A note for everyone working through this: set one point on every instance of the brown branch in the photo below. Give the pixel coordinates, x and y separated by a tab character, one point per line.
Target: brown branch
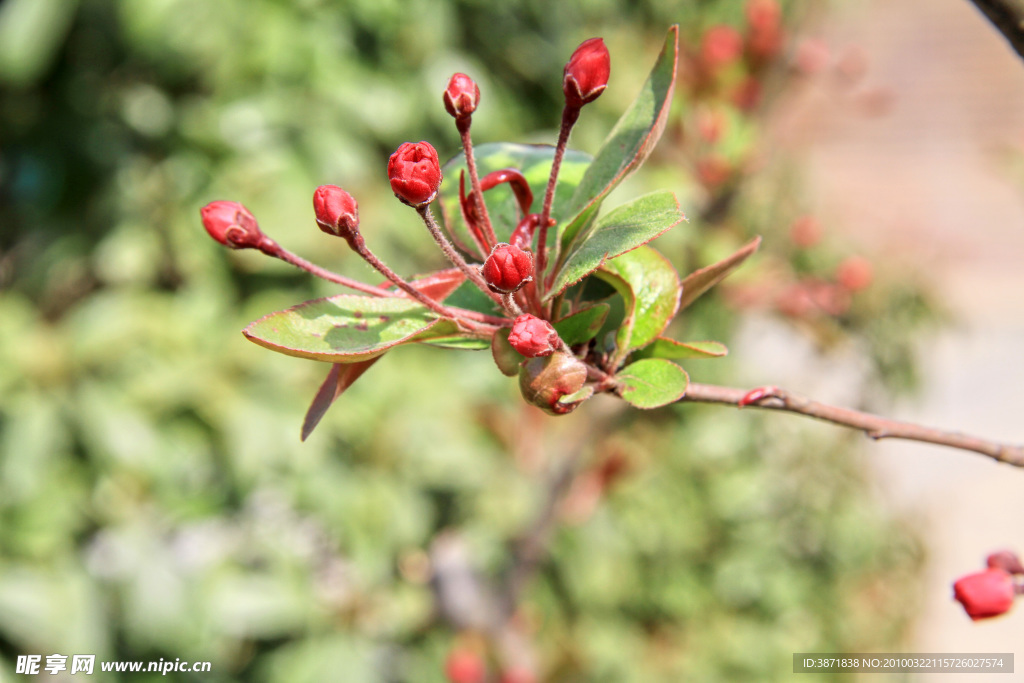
1008	17
532	547
773	398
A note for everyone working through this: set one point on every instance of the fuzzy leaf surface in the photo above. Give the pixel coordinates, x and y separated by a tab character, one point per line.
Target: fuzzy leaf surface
650	287
621	230
663	347
583	325
341	329
652	383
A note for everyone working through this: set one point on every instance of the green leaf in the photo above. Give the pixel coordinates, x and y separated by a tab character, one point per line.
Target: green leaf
505	357
583	325
623	229
700	281
533	161
663	347
628	144
652	383
341	329
649	286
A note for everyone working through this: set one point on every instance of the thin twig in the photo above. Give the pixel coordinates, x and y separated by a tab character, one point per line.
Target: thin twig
874	426
532	548
472	272
277	251
474	181
569	117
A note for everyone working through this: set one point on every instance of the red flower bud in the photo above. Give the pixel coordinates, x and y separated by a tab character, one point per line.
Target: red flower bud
720	46
462	96
1005	560
805	232
545	381
854	273
464	666
507	268
336	211
533	337
232	225
763	15
415	173
586	74
985	594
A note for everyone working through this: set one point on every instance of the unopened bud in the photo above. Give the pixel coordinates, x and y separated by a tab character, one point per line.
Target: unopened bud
507	268
465	666
415	173
586	74
721	45
545	381
336	211
985	594
462	96
533	337
232	225
854	273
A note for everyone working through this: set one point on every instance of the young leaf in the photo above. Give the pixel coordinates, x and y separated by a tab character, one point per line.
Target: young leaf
341	329
663	347
340	378
700	281
621	230
582	325
628	144
439	285
533	161
505	357
649	286
652	383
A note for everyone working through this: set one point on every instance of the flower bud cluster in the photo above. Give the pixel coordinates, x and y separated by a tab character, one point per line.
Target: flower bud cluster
551	372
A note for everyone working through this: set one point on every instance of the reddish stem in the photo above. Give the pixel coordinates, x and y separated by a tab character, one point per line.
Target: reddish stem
471	215
358	245
569	118
456	259
463	124
272	248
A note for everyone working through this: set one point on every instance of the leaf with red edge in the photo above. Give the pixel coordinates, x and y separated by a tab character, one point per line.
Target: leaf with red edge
438	285
619	231
649	286
340	378
583	325
343	328
663	347
652	383
700	281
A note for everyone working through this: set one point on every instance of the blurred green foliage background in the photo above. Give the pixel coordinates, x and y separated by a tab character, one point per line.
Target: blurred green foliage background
155	500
